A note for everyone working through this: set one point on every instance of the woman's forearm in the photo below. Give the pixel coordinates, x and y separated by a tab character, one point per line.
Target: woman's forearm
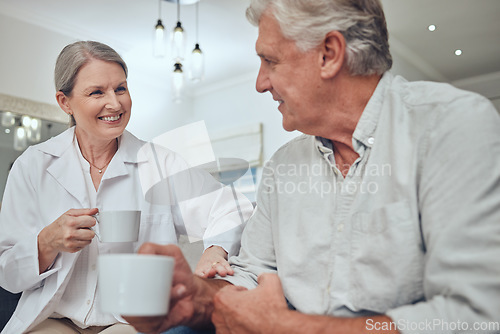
46	253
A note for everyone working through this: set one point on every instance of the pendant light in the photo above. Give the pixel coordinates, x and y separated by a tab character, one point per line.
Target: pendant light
159	45
178	37
20	138
178	82
197	57
26	123
35	130
8	119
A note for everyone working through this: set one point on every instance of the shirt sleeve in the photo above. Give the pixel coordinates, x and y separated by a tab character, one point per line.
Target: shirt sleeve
257	253
459	199
203	208
19	267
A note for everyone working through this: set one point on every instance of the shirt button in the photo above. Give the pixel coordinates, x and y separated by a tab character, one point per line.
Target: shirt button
371	140
88	302
340	227
93	267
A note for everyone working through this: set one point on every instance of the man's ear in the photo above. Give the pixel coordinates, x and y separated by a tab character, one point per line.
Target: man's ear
63	102
333	54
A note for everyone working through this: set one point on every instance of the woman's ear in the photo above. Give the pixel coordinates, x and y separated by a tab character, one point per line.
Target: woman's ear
333	54
63	102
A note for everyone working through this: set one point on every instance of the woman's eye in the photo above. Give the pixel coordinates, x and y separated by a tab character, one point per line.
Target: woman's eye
96	92
120	89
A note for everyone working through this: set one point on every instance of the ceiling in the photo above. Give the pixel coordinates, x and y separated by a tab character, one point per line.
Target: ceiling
227	39
472	26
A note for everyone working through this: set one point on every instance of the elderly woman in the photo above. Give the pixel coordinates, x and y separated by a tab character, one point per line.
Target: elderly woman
48	248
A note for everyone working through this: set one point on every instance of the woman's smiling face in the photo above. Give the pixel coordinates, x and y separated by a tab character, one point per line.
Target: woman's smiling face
100	101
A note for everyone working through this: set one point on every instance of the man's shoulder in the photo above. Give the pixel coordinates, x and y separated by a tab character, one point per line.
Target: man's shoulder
434	94
297	145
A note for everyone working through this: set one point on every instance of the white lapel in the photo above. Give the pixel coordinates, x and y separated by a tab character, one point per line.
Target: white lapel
65	167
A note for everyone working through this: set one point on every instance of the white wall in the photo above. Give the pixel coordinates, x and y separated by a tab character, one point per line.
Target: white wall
236	102
27	58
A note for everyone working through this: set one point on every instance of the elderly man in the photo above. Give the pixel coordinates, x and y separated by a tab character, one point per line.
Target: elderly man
383	217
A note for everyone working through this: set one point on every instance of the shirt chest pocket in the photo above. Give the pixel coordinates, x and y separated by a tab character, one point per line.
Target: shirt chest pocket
158	228
386	259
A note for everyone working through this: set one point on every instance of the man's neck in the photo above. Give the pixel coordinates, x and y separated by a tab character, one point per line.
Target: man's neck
353	94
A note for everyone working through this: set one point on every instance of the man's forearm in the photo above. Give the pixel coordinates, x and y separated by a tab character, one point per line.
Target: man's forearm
296	322
206	288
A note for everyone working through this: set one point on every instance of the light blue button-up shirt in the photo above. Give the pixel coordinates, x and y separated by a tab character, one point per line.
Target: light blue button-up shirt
412	231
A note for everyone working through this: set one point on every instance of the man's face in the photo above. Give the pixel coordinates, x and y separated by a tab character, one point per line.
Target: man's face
291	76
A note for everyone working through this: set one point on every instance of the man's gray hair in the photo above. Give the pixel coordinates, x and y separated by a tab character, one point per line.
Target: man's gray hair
75	55
361	22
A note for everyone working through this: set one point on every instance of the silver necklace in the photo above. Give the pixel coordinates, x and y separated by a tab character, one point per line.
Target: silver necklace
101	168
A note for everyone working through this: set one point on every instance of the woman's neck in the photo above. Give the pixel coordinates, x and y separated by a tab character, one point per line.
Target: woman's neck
97	153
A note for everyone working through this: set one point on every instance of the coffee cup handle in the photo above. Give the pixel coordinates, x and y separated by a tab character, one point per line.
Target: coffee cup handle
93	227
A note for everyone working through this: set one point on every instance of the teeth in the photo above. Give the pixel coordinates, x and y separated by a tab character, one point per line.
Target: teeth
111	118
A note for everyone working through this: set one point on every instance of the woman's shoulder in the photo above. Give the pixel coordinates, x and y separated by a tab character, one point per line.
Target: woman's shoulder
55	146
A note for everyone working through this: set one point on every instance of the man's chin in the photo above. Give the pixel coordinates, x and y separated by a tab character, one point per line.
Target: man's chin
288	127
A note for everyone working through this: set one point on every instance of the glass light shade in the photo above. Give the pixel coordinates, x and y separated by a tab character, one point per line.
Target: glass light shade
160	43
178	42
178	83
20	138
35	131
197	64
26	121
8	119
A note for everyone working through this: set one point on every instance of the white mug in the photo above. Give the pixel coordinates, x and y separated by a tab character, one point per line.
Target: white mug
135	284
118	226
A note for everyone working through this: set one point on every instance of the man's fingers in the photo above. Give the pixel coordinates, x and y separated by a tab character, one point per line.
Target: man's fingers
232	288
178	292
271	281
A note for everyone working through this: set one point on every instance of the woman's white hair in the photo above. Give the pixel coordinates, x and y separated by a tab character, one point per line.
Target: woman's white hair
361	22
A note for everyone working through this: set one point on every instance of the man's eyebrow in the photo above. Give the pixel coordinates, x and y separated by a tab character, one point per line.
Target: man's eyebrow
261	55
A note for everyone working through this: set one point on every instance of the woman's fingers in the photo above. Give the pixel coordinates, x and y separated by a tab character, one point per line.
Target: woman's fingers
82	212
223	268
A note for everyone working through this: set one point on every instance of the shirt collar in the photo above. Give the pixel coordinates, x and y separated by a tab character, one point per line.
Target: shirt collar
364	134
129	147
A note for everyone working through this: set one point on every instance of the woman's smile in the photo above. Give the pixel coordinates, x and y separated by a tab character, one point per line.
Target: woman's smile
111	119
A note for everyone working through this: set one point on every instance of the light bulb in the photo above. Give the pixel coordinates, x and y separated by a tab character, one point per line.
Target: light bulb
26	121
197	64
20	142
159	49
35	130
178	83
178	38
